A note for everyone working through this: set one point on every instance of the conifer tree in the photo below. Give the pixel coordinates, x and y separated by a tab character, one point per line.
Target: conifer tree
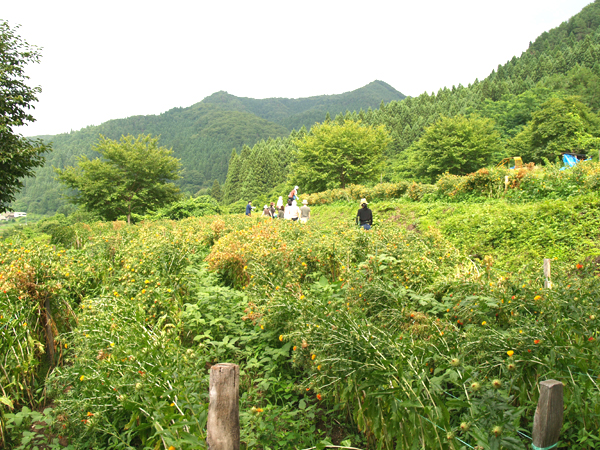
261	172
232	182
215	191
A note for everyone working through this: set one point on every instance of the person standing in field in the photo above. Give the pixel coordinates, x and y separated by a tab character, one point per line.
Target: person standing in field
281	212
273	210
267	212
364	217
249	208
287	214
304	212
295	211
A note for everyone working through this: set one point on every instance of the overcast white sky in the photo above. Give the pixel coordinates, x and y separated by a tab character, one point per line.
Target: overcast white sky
112	59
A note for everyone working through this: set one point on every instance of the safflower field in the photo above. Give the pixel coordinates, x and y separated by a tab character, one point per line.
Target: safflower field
432	330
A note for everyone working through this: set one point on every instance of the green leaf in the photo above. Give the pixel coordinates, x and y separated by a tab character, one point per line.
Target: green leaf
6	401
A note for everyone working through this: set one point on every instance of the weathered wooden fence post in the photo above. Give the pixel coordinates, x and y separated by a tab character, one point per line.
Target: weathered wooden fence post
548	418
223	425
547	281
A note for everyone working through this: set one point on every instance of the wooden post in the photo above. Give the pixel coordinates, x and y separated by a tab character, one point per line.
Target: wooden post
548	418
223	425
505	182
49	335
547	282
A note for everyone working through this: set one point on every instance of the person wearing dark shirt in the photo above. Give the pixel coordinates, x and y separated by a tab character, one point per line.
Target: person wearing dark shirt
364	217
249	208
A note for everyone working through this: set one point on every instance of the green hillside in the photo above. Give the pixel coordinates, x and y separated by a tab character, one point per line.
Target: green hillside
201	135
432	330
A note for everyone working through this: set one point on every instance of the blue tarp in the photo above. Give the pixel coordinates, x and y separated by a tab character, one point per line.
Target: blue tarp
569	160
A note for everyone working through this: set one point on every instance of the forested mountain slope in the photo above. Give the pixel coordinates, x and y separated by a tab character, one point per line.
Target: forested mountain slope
201	135
561	63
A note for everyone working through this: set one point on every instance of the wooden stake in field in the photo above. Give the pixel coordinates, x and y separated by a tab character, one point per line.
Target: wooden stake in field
223	426
548	418
547	282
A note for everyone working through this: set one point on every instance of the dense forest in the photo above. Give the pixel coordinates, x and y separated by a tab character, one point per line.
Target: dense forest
202	136
563	63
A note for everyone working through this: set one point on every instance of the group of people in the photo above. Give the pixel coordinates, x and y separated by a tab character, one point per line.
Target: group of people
291	211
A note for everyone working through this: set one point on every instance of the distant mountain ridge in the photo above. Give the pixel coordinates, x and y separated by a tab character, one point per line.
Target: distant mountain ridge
201	135
295	113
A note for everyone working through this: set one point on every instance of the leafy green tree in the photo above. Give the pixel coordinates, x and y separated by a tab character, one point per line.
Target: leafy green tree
335	154
457	145
18	155
560	125
134	175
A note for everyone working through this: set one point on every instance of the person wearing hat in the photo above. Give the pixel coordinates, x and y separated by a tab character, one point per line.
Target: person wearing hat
364	217
267	211
304	212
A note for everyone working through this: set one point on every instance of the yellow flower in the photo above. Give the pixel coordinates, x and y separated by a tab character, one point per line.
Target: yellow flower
484	323
319	367
510	353
112	344
171	447
262	327
281	337
313	356
81	377
537	297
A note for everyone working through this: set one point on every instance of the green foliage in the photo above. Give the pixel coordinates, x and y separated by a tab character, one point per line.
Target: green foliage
133	177
457	145
350	334
333	155
203	205
18	156
560	125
